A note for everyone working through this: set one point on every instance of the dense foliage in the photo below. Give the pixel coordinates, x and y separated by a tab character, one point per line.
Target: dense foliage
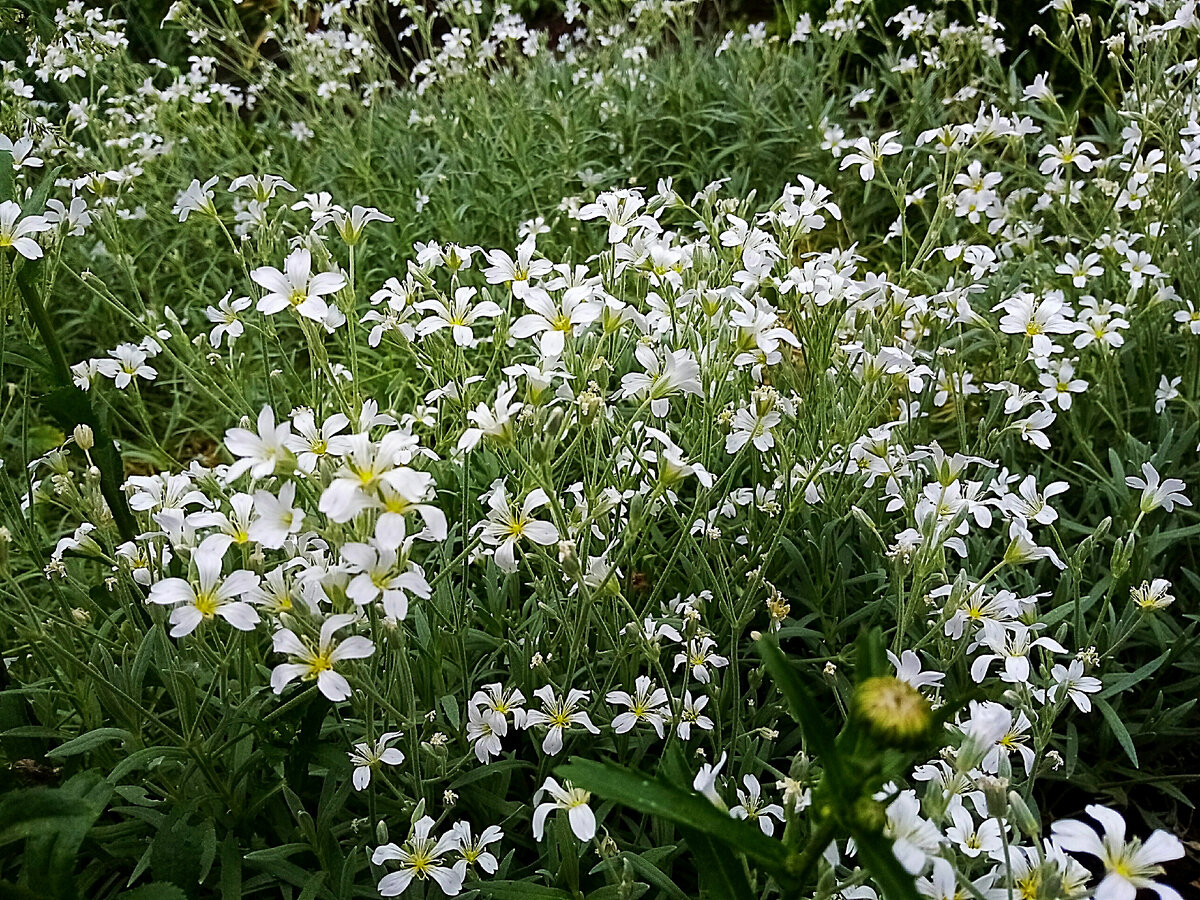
603	457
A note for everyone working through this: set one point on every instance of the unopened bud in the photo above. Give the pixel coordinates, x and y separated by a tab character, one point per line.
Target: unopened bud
1021	815
893	711
995	795
84	437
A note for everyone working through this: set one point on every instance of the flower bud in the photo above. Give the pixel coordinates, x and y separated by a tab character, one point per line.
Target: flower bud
893	711
1022	816
84	437
995	795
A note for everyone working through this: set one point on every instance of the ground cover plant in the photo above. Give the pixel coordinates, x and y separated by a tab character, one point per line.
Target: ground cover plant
587	452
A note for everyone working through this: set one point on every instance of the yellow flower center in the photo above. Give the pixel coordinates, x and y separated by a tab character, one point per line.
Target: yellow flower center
206	602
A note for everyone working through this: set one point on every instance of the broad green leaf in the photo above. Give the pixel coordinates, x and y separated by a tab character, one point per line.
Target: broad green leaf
817	731
37	812
722	874
6	175
875	852
683	807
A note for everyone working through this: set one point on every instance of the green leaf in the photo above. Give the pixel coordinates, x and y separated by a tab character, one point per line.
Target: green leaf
722	874
38	812
89	741
6	175
157	890
875	852
645	869
520	890
818	732
619	892
1129	679
683	807
1113	718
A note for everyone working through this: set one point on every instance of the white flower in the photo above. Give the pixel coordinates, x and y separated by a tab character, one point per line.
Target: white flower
420	859
224	316
297	287
554	322
380	573
691	714
559	714
367	757
517	273
699	656
647	704
1167	391
278	517
570	798
259	453
1072	683
869	154
209	595
1166	493
310	443
1129	867
196	197
908	669
318	661
705	781
127	362
914	839
676	373
752	808
474	850
974	841
505	527
458	316
484	732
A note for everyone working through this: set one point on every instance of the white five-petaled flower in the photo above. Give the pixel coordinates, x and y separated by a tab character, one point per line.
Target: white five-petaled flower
691	714
1166	493
516	272
317	661
870	154
1129	866
567	797
458	315
699	656
420	859
909	670
647	704
505	526
555	321
224	316
209	595
297	287
559	714
196	197
677	372
752	808
1069	681
15	232
258	453
473	850
367	757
